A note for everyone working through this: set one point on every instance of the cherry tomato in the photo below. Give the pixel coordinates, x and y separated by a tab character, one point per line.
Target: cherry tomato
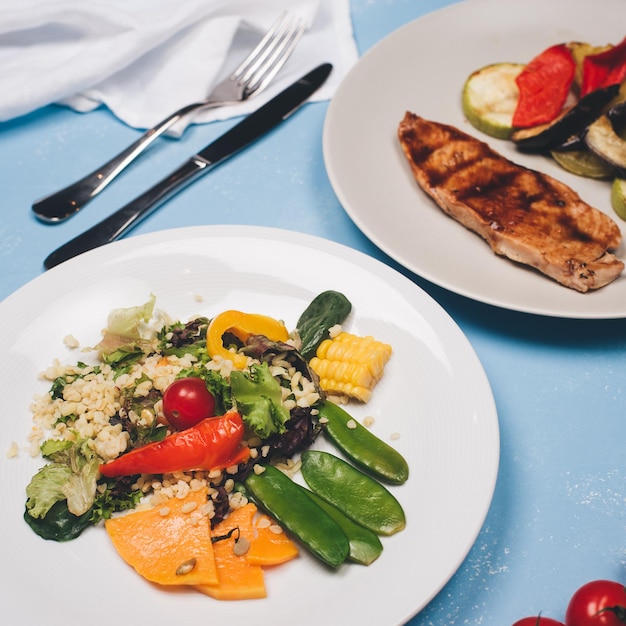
598	603
538	621
186	402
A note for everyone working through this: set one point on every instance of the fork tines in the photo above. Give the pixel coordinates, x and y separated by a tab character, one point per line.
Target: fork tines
272	52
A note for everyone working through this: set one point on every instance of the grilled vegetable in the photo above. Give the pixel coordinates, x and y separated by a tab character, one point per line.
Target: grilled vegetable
360	497
607	67
350	365
580	50
607	144
544	85
326	310
361	446
490	97
552	136
294	510
582	163
618	197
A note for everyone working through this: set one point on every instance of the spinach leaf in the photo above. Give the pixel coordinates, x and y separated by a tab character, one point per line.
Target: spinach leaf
325	311
59	524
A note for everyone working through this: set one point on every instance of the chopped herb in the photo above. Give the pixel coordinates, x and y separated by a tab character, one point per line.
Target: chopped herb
59	383
179	339
117	496
123	358
66	419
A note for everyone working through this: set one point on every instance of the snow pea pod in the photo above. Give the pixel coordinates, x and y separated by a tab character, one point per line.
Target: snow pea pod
360	497
365	546
361	445
304	519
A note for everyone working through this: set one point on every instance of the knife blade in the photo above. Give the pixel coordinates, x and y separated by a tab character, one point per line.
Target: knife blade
232	141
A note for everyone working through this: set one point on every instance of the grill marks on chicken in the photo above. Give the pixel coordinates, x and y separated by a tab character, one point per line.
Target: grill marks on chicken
524	215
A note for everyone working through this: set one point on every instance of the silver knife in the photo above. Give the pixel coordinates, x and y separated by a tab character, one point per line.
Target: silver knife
243	134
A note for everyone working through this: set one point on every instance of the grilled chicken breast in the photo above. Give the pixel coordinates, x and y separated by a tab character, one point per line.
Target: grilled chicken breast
524	215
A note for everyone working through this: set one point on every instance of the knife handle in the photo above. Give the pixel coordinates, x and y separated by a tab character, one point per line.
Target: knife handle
129	215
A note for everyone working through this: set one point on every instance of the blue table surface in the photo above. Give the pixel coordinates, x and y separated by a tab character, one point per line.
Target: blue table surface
557	516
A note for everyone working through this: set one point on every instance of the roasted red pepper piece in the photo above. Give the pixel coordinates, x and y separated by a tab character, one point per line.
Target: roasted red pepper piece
214	443
604	69
543	87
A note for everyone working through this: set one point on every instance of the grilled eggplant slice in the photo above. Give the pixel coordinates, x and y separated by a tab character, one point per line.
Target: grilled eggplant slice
570	124
604	141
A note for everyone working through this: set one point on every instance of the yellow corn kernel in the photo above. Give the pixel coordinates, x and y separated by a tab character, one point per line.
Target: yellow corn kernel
350	365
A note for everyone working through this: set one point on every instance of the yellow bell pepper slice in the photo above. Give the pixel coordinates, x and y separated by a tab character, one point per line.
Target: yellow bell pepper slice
242	325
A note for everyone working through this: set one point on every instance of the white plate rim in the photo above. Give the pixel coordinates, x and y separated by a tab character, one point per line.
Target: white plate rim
107	261
374	178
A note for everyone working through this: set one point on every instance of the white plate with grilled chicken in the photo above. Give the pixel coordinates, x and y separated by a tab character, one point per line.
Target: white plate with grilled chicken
421	68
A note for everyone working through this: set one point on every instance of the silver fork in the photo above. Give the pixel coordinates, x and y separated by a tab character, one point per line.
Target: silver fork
251	77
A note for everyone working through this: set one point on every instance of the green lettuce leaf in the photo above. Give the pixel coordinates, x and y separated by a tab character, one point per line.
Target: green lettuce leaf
71	475
127	322
258	398
50	447
127	336
46	488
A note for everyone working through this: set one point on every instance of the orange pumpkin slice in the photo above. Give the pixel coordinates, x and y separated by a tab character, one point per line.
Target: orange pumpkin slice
270	547
241	576
238	578
168	544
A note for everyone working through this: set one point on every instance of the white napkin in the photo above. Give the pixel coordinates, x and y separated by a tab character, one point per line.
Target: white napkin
144	59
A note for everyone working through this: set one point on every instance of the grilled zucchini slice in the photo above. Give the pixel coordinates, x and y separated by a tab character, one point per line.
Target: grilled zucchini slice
490	97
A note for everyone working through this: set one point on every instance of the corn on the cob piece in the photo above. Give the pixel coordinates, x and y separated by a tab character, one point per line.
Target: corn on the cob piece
349	365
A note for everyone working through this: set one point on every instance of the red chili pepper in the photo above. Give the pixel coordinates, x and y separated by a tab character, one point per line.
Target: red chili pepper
543	87
211	444
604	69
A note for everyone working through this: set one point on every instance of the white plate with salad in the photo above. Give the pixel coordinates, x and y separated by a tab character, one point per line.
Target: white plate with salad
434	395
422	68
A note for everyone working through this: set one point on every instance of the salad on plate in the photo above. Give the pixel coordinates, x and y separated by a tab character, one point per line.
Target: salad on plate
187	442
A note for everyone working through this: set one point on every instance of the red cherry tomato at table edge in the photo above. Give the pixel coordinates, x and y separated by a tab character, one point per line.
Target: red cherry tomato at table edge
538	621
597	603
186	402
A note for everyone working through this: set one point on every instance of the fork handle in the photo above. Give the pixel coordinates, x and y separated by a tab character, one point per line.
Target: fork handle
114	226
62	204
